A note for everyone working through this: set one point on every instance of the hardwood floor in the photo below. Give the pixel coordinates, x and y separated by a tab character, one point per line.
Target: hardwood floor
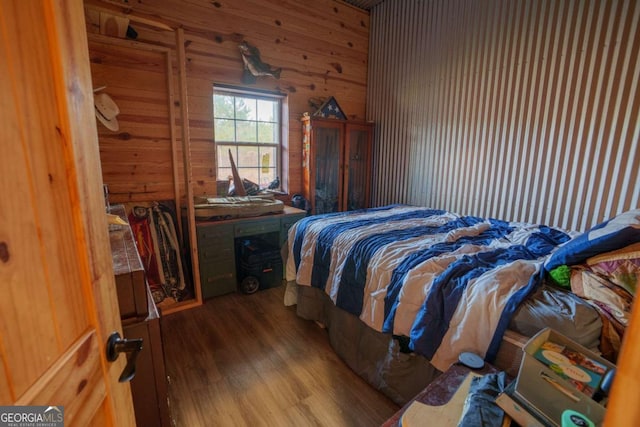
249	360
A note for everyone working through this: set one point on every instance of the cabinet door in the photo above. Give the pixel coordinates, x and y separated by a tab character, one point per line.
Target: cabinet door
357	167
327	156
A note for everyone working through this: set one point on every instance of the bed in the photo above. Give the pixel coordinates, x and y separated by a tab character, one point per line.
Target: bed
403	290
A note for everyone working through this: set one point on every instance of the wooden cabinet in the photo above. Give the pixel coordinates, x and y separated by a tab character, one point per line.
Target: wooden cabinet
217	243
149	386
336	164
140	319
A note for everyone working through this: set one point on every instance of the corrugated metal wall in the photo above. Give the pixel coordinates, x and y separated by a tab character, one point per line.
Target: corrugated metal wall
521	110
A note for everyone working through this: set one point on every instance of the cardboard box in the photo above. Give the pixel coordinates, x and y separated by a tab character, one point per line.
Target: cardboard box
557	374
518	410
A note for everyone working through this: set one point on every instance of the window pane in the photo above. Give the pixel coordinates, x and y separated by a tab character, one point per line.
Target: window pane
246	108
267	177
267	110
224	130
223	106
249	173
249	126
224	173
246	132
267	132
247	157
223	155
267	157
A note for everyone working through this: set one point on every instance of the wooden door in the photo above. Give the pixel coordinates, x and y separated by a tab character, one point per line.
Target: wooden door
58	303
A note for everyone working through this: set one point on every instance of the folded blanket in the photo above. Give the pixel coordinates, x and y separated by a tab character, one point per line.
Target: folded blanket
236	207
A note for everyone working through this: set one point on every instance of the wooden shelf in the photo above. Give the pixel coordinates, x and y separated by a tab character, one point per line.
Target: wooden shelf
174	307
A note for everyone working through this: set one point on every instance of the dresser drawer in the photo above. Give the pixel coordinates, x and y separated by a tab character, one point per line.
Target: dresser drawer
251	228
218	278
224	250
214	234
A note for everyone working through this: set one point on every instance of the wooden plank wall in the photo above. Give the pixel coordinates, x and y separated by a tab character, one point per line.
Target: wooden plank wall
136	160
322	47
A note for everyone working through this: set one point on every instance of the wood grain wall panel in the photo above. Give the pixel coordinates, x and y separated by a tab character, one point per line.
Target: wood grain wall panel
203	159
322	47
136	159
518	110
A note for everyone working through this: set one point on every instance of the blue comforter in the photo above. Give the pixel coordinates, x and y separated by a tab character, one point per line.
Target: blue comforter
450	283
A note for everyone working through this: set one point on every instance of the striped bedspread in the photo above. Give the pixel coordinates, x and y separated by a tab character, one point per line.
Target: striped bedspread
450	283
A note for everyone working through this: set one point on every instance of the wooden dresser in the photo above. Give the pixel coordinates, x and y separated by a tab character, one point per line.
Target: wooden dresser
217	247
140	319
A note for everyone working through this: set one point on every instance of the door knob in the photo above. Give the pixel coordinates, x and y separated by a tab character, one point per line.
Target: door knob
116	345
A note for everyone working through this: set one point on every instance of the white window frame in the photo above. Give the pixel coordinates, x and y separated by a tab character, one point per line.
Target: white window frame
282	120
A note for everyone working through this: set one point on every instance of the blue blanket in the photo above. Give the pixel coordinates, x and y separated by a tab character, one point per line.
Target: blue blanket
450	283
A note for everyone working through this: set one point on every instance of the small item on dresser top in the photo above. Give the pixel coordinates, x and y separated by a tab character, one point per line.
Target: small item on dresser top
471	360
208	208
575	419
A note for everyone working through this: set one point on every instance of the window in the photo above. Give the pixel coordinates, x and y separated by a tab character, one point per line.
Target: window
248	124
